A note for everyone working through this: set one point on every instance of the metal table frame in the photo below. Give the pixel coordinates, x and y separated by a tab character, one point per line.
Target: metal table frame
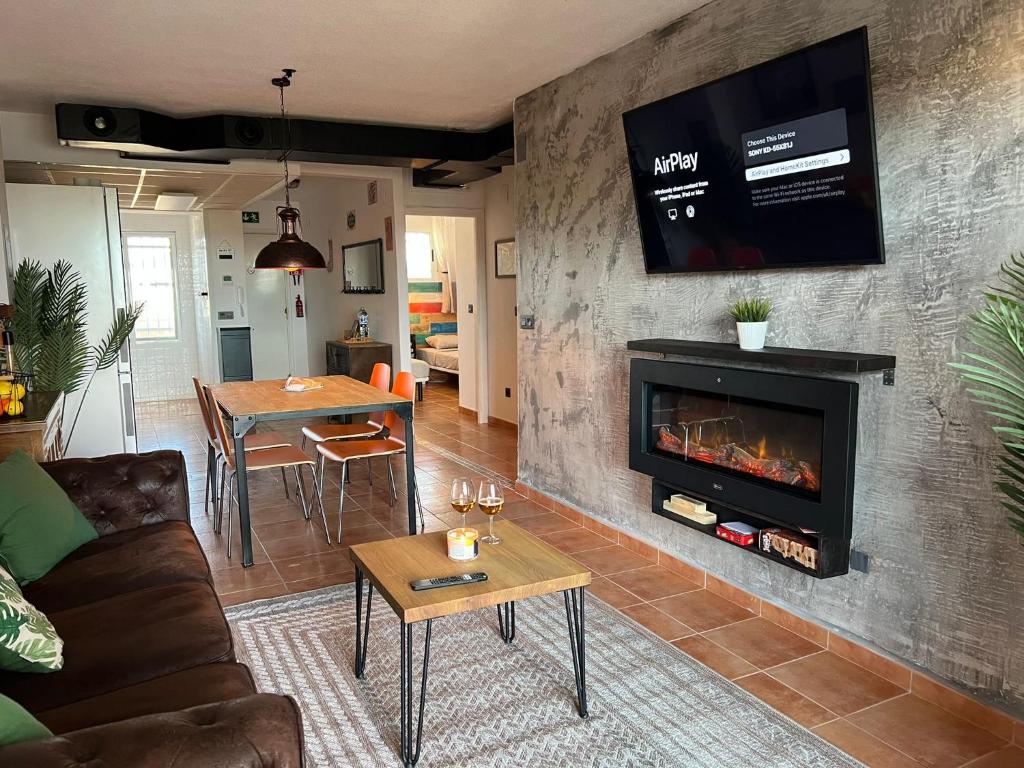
410	746
241	424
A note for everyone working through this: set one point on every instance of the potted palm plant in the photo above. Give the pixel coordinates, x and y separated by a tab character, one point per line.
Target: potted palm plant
49	327
995	374
751	316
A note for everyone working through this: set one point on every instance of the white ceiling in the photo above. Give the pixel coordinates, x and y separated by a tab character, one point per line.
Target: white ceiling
445	63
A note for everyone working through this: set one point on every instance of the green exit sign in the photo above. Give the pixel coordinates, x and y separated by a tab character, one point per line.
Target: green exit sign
250	217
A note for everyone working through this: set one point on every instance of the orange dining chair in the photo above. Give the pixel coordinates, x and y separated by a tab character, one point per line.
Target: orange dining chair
391	444
279	457
255	441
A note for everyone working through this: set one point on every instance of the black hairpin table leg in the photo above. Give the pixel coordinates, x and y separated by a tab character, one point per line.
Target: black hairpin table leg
362	632
411	755
507	621
576	616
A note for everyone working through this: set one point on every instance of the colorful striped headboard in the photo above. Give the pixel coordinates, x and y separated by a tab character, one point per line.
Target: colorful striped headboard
425	315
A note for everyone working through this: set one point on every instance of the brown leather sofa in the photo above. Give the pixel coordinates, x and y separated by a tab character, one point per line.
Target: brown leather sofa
149	676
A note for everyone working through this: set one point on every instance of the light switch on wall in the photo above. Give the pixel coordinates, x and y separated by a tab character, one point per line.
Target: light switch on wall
470	309
526	322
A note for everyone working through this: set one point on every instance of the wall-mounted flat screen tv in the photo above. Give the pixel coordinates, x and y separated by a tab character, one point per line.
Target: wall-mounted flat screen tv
773	166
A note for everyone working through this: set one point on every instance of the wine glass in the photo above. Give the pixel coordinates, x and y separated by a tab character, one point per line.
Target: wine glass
463	497
491	500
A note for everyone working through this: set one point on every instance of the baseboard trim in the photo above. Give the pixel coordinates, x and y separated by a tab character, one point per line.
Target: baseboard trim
963	704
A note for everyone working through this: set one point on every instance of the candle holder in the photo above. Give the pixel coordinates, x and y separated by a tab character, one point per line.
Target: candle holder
463	544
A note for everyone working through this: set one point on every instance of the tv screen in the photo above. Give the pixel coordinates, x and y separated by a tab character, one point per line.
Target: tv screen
773	166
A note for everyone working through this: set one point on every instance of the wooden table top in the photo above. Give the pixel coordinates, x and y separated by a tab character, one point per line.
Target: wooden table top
521	566
266	398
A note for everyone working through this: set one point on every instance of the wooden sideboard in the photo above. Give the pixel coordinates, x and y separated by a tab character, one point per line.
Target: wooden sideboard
356	359
37	430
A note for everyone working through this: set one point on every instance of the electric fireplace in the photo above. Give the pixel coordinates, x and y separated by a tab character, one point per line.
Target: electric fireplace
767	449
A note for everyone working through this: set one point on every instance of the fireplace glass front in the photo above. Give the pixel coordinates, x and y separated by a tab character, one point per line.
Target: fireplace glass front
778	445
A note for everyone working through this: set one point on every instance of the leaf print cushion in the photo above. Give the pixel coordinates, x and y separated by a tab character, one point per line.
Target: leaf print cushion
28	641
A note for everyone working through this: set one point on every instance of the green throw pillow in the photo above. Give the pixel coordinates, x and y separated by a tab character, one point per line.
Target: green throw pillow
39	524
28	641
17	725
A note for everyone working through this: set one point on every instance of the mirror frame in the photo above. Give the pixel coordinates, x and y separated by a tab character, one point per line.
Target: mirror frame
379	242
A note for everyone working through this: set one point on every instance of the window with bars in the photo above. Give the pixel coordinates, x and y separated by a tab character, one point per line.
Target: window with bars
419	257
151	280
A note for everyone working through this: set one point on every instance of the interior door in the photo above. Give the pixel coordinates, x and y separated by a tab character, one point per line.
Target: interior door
267	293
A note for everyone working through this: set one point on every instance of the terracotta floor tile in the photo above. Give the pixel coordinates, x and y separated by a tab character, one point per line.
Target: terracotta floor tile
611	593
659	623
835	683
925	732
786	700
548	522
654	582
235	579
256	593
1007	757
762	643
724	662
703	610
319	582
575	540
311	566
608	560
863	746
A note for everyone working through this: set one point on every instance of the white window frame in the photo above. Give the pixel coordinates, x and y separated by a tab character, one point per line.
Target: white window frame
174	282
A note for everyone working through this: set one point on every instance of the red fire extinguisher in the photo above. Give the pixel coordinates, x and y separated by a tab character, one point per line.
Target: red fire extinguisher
298	306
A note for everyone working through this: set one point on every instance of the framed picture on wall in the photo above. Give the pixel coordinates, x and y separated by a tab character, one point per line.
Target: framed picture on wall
389	234
505	258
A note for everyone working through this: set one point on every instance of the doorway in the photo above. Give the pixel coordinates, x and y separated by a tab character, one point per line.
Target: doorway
274	334
447	294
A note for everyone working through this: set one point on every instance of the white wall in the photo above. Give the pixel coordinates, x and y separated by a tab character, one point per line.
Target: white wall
502	323
162	369
6	253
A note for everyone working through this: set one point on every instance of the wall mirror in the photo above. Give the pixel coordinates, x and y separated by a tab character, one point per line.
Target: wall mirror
362	267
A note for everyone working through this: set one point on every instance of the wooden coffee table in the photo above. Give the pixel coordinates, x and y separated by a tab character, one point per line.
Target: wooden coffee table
521	566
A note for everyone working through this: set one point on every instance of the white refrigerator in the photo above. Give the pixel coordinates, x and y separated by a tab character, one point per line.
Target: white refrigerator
80	224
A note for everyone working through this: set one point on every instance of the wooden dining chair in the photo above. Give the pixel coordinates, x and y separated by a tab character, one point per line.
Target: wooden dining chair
256	441
279	457
392	443
322	433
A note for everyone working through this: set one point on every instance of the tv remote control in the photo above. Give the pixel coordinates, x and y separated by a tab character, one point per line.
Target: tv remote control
447	581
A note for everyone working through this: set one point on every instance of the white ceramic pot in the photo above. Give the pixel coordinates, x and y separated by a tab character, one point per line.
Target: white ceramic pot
752	334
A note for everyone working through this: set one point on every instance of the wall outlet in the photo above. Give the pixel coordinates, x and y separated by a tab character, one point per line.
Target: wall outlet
508	392
526	322
471	309
858	561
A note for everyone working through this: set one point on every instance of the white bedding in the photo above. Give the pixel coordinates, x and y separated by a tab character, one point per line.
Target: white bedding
445	359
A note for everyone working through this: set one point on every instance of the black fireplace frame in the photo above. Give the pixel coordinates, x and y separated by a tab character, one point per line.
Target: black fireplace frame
831	515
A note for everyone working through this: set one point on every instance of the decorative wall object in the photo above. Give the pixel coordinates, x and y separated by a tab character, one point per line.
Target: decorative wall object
371	193
425	315
389	234
505	258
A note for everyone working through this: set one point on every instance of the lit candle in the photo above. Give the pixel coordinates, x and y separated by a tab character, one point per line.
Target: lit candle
463	544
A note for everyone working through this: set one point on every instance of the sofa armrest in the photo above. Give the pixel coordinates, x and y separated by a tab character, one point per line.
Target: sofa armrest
125	490
259	731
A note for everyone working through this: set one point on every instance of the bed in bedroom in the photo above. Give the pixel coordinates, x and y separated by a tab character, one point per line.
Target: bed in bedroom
441	353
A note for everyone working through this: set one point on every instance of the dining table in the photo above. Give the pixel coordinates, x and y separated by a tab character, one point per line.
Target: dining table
244	404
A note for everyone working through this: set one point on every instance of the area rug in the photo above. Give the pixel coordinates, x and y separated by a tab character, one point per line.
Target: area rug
489	704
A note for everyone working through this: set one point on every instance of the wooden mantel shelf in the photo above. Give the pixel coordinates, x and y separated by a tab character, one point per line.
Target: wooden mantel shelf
783	357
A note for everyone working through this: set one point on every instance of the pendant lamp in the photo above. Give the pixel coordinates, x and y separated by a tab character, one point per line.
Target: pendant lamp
289	251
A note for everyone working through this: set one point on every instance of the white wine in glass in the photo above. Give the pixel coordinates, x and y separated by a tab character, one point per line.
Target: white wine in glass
463	497
491	501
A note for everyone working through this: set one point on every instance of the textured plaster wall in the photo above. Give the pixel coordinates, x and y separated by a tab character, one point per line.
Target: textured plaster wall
946	576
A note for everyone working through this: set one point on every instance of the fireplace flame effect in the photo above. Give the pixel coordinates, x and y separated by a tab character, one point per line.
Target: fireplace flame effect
751	459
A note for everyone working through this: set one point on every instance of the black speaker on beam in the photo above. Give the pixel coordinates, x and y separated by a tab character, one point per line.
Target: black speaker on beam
82	123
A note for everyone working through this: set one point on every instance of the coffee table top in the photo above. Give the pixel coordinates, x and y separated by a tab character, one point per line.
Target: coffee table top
521	566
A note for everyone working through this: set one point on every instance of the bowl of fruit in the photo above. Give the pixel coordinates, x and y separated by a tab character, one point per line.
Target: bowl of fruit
12	397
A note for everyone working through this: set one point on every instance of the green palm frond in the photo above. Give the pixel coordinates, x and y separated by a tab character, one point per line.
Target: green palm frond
50	330
997	368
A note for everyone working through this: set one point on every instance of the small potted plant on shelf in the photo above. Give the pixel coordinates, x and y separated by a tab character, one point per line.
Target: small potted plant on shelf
751	316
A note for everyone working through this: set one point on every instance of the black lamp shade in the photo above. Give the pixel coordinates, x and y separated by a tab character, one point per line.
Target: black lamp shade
289	251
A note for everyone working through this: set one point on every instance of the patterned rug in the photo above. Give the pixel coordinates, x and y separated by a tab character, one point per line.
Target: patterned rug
489	704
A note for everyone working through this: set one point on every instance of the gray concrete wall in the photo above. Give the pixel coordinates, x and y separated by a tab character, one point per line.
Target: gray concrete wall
947	575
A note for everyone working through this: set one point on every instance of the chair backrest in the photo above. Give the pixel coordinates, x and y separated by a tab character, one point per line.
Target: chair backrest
381	379
204	407
222	440
405	387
